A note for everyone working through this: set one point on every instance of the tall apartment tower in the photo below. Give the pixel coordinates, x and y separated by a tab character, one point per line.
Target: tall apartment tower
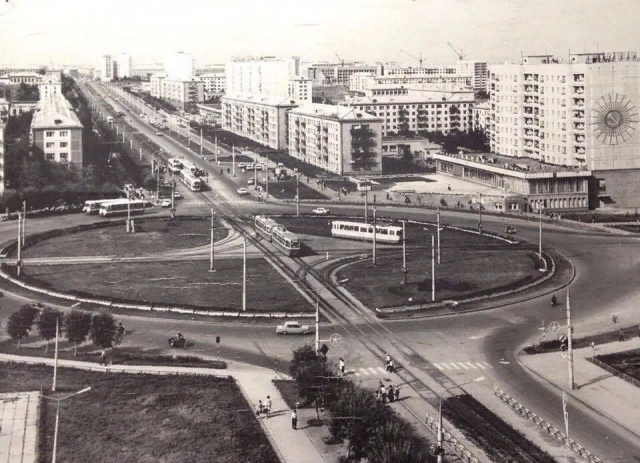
180	66
582	112
266	76
125	65
108	70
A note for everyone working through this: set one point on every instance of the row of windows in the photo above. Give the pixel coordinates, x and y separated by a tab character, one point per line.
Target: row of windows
415	106
52	156
61	133
51	144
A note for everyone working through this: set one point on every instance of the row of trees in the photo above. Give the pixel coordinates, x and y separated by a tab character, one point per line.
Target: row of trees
76	326
371	428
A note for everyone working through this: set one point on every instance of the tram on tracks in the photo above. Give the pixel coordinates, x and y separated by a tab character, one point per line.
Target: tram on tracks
192	182
364	231
264	226
286	241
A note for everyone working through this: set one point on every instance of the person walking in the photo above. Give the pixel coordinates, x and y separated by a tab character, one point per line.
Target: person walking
267	405
383	394
260	409
621	335
341	366
294	419
390	394
397	393
103	357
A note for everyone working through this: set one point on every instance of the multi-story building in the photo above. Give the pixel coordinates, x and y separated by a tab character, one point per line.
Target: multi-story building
51	84
29	78
125	65
182	91
56	130
479	72
17	70
147	70
300	89
342	140
217	68
180	66
107	68
214	82
481	116
340	73
422	111
363	82
2	128
156	85
267	76
258	117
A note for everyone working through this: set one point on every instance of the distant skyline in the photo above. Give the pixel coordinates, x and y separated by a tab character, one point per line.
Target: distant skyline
80	31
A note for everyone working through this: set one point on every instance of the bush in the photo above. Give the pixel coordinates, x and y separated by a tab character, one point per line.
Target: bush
48	320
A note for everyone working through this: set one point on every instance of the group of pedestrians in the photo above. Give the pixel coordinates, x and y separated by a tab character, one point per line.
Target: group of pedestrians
391	394
264	409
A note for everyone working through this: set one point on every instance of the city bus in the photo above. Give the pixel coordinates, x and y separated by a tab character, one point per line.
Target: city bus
92	206
121	207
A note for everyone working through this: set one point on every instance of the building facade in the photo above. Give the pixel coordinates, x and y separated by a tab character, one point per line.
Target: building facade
51	84
262	119
300	89
429	111
125	65
337	73
266	76
107	68
56	130
156	85
482	116
182	91
29	78
342	140
214	82
180	66
479	72
147	70
362	82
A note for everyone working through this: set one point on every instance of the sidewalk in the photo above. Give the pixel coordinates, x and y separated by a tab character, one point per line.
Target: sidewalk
294	446
593	383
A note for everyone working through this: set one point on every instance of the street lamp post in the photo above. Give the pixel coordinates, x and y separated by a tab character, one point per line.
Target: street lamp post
404	254
480	214
55	433
433	269
244	278
297	192
212	267
440	439
374	230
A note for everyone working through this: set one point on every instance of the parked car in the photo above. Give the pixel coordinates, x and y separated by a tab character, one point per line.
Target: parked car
165	203
292	328
242	191
259	167
177	195
159	134
320	211
141	114
251	181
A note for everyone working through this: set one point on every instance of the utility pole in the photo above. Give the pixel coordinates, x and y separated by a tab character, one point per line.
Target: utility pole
572	383
244	278
211	255
255	176
158	179
19	262
480	214
317	322
267	182
173	200
404	254
438	224
141	153
374	230
540	231
297	193
200	141
24	221
55	356
216	147
128	212
233	159
433	268
366	206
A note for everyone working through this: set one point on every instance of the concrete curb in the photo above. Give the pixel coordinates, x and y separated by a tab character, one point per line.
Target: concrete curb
523	411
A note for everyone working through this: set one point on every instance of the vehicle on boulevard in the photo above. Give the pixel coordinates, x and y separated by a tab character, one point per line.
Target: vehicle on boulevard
192	168
251	181
159	134
241	165
249	166
190	180
243	191
92	207
364	231
178	341
320	211
177	195
264	226
122	207
286	241
165	203
174	165
510	230
259	167
292	328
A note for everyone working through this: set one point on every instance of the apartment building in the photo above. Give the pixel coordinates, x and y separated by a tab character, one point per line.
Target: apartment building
125	65
107	68
378	84
56	130
340	73
481	116
267	76
216	68
182	91
180	66
479	72
300	89
258	117
342	140
29	78
214	82
51	84
147	70
156	85
429	111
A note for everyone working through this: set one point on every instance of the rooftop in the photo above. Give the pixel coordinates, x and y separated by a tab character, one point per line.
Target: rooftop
262	99
425	96
54	111
340	113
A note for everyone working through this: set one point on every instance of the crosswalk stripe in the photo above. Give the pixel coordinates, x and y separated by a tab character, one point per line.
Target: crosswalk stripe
437	366
364	371
481	365
464	366
471	365
446	366
487	364
455	366
373	370
382	370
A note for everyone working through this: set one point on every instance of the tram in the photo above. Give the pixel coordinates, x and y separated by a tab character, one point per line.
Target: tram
364	231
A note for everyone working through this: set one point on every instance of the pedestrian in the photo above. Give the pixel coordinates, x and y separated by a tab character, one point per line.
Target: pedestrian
387	359
294	419
103	357
383	394
267	405
259	409
390	366
621	335
341	366
390	394
397	393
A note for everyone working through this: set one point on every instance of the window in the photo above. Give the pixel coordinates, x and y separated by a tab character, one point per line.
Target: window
50	133
64	133
51	156
50	144
64	156
64	144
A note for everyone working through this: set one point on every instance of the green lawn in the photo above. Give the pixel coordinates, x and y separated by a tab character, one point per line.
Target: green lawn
186	283
286	189
151	236
144	418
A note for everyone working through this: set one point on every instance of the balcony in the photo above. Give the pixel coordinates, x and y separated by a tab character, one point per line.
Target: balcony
578	126
578	90
578	102
578	114
578	77
580	138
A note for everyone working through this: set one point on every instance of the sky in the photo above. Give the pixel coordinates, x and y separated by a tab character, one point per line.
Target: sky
80	31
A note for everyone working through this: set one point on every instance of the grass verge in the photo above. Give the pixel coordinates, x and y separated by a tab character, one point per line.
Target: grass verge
627	362
555	345
144	418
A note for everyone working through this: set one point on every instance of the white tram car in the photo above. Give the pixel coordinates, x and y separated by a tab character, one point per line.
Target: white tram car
286	241
191	181
364	231
264	226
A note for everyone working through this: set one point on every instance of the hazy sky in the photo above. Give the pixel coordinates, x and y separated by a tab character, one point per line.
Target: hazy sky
79	31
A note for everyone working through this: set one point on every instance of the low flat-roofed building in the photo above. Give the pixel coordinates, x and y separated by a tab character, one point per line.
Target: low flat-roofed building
553	188
57	131
340	139
419	146
257	117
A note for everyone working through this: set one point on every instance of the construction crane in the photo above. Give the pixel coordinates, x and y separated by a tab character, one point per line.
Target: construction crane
460	54
339	59
414	57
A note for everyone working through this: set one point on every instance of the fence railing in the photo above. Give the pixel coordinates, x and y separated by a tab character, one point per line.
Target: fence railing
614	371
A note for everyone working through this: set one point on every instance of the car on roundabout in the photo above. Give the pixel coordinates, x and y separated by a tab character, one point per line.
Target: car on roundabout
320	211
243	191
510	230
292	327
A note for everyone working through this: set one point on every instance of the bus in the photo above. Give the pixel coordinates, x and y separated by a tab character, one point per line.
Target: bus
92	206
364	231
121	207
264	226
191	181
174	165
286	241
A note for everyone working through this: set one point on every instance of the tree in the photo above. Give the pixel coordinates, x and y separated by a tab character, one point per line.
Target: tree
363	148
103	330
27	93
394	440
403	122
78	325
21	322
407	155
314	378
47	324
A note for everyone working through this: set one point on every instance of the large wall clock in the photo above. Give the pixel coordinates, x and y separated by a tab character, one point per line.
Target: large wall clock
615	119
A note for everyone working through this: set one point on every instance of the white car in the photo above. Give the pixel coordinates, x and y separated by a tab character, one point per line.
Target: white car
320	211
292	328
250	181
242	191
142	115
165	203
241	165
158	134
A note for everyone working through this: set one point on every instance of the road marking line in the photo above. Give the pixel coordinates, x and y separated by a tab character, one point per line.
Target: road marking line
382	370
481	365
437	366
446	366
373	370
471	365
488	365
464	366
455	366
364	372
